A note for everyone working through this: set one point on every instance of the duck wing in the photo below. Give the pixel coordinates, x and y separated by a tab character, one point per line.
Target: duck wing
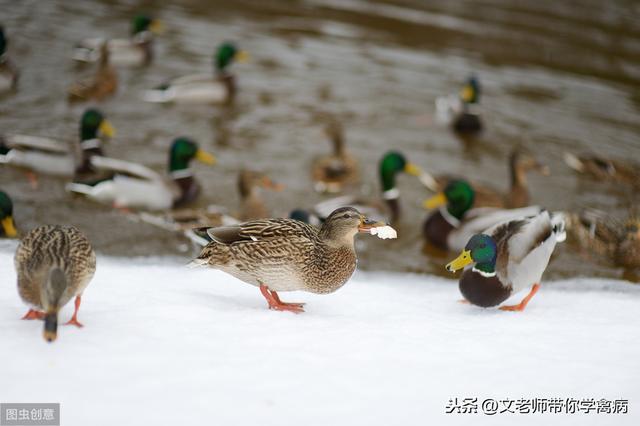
259	230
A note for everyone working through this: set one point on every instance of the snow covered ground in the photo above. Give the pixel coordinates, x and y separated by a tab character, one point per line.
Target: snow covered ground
166	345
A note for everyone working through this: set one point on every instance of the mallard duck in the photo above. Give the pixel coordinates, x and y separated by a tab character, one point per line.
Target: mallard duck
54	264
615	240
7	225
8	73
331	173
134	51
461	111
451	226
386	209
136	186
54	157
103	84
603	168
203	88
520	163
507	258
288	255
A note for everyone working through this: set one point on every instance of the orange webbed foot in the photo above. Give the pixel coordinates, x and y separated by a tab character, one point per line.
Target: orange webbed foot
74	321
33	315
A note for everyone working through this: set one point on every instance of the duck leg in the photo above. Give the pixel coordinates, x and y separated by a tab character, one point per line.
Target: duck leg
74	318
520	306
33	179
32	315
276	304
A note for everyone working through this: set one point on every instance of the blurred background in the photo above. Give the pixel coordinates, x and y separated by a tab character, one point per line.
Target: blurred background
555	76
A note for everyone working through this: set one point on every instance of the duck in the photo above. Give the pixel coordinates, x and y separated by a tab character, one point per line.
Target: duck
611	239
7	224
461	112
333	172
507	258
455	221
133	185
98	87
604	168
388	208
8	72
283	254
521	162
50	156
54	264
219	88
135	51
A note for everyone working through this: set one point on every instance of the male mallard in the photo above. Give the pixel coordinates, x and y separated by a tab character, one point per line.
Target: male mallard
134	51
451	226
331	173
202	88
54	264
134	185
54	157
7	225
520	163
607	237
101	85
461	112
288	255
8	73
603	168
507	258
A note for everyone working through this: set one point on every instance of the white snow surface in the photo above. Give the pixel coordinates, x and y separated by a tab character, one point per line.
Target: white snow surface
167	345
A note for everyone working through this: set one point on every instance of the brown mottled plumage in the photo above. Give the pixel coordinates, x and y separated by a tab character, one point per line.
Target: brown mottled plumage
603	168
53	264
331	173
104	83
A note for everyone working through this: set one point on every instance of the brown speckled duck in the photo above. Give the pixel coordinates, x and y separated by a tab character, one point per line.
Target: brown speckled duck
54	264
103	84
331	173
603	168
288	255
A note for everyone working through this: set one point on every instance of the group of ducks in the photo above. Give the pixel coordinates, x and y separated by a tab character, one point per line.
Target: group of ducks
505	244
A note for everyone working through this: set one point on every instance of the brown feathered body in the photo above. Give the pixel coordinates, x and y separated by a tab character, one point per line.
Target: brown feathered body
104	83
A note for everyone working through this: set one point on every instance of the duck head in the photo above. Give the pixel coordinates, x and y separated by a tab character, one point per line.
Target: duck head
226	54
343	224
142	23
392	163
481	249
7	225
182	151
93	125
458	196
470	93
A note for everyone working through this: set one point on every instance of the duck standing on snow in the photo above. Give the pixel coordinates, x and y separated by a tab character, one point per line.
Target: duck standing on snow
134	51
8	73
461	111
287	255
603	168
331	173
219	88
103	84
53	264
7	225
451	226
136	186
507	258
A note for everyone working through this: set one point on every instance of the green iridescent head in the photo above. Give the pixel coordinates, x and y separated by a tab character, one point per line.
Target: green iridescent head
92	123
471	91
226	54
481	249
7	226
392	163
142	22
458	196
3	41
183	150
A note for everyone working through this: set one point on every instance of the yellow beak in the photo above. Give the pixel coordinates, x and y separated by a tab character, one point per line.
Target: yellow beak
157	26
242	56
436	201
107	129
412	169
460	262
205	157
467	93
9	227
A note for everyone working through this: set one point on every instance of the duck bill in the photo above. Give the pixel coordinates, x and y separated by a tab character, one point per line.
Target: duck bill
9	227
107	129
460	262
205	157
156	27
467	93
436	201
367	224
412	169
267	183
242	56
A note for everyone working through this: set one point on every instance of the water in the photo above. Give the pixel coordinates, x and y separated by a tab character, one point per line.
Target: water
556	76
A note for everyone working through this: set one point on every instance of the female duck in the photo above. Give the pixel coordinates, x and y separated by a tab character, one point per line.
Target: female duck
8	73
7	225
136	186
100	86
507	258
54	264
219	88
331	173
603	168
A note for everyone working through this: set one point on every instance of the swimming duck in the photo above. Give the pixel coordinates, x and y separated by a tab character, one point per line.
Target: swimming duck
387	209
461	111
603	168
203	88
54	157
134	51
54	264
455	221
136	186
287	255
8	73
7	225
331	173
103	84
507	258
520	163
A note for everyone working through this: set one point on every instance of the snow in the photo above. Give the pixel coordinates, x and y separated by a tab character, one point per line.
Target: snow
167	345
